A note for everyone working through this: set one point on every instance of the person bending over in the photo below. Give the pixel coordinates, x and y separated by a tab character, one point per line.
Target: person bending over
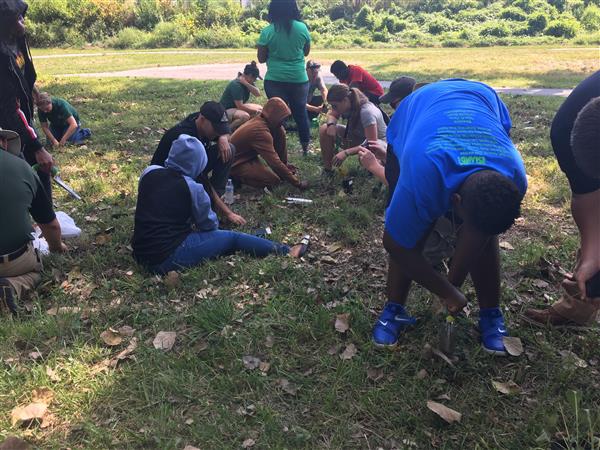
175	226
60	121
356	76
17	87
315	104
365	122
452	142
22	195
237	93
264	137
575	137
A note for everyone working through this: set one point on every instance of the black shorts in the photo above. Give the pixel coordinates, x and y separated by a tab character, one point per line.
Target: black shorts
392	172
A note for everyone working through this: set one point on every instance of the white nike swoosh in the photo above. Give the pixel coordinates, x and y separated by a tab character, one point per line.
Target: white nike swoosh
383	323
501	330
402	319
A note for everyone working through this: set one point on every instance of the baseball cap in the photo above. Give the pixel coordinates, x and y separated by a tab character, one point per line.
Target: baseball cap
215	113
401	87
11	8
310	64
14	141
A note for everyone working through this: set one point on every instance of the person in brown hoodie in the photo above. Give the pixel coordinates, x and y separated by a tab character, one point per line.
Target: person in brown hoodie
264	136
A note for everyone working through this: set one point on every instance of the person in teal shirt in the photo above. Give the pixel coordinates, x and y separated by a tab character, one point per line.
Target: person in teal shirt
60	121
283	45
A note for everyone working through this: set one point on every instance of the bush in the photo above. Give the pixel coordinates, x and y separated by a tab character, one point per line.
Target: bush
590	19
253	25
439	24
472	15
365	17
130	38
537	23
381	36
167	34
223	37
566	28
513	13
498	29
393	24
48	11
454	43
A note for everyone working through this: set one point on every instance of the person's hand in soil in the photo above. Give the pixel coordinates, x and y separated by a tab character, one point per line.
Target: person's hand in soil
236	219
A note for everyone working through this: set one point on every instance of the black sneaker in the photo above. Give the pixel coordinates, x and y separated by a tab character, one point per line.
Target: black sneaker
7	297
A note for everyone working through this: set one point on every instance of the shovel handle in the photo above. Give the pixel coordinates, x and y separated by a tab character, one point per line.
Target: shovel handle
53	171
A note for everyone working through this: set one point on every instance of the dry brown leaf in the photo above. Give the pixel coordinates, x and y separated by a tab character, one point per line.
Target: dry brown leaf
30	412
102	239
14	443
264	366
42	395
540	284
111	337
328	260
334	247
342	322
513	345
422	374
508	388
63	310
506	245
35	355
374	374
269	341
287	387
52	374
448	414
126	330
349	352
164	340
190	447
172	279
570	356
251	362
125	353
334	349
248	443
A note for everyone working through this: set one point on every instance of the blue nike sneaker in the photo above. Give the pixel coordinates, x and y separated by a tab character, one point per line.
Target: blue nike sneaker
392	321
492	329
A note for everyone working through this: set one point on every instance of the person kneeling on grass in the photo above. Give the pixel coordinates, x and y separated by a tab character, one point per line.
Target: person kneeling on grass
365	122
175	226
264	137
452	141
237	93
22	194
60	121
575	139
315	104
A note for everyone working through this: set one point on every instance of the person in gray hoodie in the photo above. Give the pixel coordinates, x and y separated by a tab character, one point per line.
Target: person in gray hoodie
175	226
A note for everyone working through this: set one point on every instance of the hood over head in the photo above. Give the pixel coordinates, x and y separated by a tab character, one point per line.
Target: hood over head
187	156
275	111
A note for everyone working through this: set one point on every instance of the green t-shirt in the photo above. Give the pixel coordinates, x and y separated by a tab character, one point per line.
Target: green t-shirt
234	91
61	111
21	193
286	52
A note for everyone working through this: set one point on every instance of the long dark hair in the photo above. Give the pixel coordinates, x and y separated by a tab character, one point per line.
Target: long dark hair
339	92
282	13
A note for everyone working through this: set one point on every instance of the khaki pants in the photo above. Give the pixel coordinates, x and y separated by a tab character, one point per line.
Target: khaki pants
24	273
254	173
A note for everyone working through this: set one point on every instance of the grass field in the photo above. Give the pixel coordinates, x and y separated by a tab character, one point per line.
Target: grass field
547	67
282	312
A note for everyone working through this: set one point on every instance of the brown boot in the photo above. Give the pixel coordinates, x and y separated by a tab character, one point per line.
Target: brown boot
548	317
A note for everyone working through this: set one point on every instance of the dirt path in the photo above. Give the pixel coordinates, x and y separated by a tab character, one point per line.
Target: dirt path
228	71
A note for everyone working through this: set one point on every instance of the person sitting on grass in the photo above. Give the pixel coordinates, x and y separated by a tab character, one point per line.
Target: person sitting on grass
22	194
365	122
237	93
264	137
452	141
315	104
60	121
357	77
175	226
575	137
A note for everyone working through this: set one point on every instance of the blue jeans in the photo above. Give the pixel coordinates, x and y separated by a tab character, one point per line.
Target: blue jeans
295	95
80	134
203	245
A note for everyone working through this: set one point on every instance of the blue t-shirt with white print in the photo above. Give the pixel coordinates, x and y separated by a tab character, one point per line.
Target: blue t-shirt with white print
442	134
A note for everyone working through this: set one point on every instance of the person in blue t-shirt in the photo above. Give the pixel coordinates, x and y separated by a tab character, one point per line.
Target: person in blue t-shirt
451	139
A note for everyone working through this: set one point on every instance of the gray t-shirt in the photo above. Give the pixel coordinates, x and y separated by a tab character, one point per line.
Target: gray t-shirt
369	115
318	83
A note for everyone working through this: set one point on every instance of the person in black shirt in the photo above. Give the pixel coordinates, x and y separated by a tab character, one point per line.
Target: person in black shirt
575	137
17	87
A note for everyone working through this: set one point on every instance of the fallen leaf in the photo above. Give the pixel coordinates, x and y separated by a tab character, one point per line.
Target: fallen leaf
506	245
125	353
264	366
172	279
448	414
540	284
35	355
288	387
52	374
248	443
349	352
29	412
251	362
189	421
577	361
42	395
342	322
200	346
164	340
14	443
374	374
513	345
190	447
328	260
102	239
63	310
334	247
269	341
508	388
111	337
249	410
126	330
441	355
422	374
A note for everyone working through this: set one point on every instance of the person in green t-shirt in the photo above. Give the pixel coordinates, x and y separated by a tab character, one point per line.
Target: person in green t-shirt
60	121
283	45
237	93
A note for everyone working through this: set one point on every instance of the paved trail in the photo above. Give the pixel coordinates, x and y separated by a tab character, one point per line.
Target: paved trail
228	72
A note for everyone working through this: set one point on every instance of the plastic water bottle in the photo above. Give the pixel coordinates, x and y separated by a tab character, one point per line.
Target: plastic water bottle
228	198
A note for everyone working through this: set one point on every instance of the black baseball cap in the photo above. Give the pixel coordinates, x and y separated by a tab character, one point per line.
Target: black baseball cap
401	87
216	115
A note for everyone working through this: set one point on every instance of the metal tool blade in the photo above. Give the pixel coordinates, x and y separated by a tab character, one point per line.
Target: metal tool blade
67	188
